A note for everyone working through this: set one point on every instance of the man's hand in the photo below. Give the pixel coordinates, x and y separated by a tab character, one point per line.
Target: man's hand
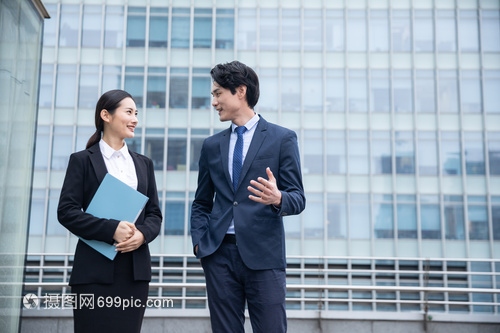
265	191
132	243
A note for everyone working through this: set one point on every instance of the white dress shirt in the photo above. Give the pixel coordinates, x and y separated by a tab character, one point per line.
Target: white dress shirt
119	163
251	125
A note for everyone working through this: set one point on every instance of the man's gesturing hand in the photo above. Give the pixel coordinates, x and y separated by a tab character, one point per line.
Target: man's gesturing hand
265	191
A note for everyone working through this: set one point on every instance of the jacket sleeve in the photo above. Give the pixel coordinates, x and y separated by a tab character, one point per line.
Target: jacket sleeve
293	200
203	201
151	226
70	211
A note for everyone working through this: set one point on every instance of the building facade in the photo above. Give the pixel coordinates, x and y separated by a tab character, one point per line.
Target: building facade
397	111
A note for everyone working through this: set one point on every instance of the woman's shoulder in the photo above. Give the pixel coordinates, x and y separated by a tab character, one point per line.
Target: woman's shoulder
140	156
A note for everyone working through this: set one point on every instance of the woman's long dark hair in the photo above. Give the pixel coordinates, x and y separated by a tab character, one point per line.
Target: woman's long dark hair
109	101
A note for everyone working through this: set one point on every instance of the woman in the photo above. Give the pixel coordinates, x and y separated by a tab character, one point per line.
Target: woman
124	280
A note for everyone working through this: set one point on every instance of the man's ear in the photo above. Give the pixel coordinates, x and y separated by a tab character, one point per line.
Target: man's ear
105	115
241	91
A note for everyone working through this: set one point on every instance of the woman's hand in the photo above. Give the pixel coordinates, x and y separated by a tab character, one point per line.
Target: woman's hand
124	231
132	243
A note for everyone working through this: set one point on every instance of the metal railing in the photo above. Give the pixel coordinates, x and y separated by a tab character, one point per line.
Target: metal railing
351	284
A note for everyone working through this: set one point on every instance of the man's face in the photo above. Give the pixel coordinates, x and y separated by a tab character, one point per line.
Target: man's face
224	102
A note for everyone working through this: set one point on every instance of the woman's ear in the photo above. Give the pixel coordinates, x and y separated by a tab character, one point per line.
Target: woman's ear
105	115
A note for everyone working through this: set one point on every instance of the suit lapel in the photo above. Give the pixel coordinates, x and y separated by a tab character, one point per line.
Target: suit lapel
140	170
97	162
258	138
224	154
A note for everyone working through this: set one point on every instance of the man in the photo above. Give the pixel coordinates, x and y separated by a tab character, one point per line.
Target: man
253	171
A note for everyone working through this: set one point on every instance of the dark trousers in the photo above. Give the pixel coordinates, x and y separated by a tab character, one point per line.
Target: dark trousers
230	283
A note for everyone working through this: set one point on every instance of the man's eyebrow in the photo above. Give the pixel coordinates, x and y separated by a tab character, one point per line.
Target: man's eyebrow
214	91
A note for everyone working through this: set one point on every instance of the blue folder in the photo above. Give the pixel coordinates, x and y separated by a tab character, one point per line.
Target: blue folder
114	200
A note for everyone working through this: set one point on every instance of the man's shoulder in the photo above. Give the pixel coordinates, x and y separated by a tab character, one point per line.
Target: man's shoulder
278	129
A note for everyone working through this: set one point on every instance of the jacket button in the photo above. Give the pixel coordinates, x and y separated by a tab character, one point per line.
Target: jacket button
235	203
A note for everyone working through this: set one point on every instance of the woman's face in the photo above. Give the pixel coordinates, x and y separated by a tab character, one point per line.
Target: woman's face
122	122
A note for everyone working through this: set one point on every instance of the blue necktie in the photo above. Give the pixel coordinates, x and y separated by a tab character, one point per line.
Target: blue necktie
238	155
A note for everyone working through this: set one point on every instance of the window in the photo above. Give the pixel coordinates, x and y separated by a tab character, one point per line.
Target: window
290	30
470	91
491	89
176	150
92	26
425	97
454	217
379	31
179	88
490	32
89	86
448	91
380	96
136	26
402	86
430	217
337	215
197	138
69	25
468	31
407	216
401	31
451	153
313	90
111	78
180	28
113	29
175	205
359	219
335	90
405	153
495	218
202	28
46	85
134	84
335	30
290	89
154	145
356	30
335	152
446	31
62	147
42	147
423	31
157	87
474	153
383	216
247	29
313	214
427	154
66	86
224	29
269	29
158	27
313	28
50	26
494	152
269	89
358	153
313	152
477	220
357	91
200	97
381	152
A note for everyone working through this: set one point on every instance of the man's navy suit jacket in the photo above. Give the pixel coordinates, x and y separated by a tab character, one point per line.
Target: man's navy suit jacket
86	170
258	228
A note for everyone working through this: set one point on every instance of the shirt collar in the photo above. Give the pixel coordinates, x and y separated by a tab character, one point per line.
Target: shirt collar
107	151
249	125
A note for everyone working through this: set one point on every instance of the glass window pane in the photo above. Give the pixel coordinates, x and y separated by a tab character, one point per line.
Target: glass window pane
383	217
430	219
474	153
158	28
290	89
335	30
111	78
471	91
313	152
454	217
407	220
356	30
269	93
290	30
180	31
136	28
153	148
62	147
113	30
313	28
66	86
446	31
92	26
247	29
195	153
201	93
401	31
335	90
448	91
224	31
134	84
313	90
450	154
179	88
69	25
425	100
50	26
337	216
335	152
157	87
358	96
42	148
269	31
359	217
379	31
380	96
381	153
495	211
202	31
491	89
46	85
490	32
358	153
494	152
89	86
405	153
402	85
478	222
469	32
313	214
424	31
427	154
174	220
176	153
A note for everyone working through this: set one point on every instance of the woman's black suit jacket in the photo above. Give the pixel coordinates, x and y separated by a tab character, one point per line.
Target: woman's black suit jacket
86	170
